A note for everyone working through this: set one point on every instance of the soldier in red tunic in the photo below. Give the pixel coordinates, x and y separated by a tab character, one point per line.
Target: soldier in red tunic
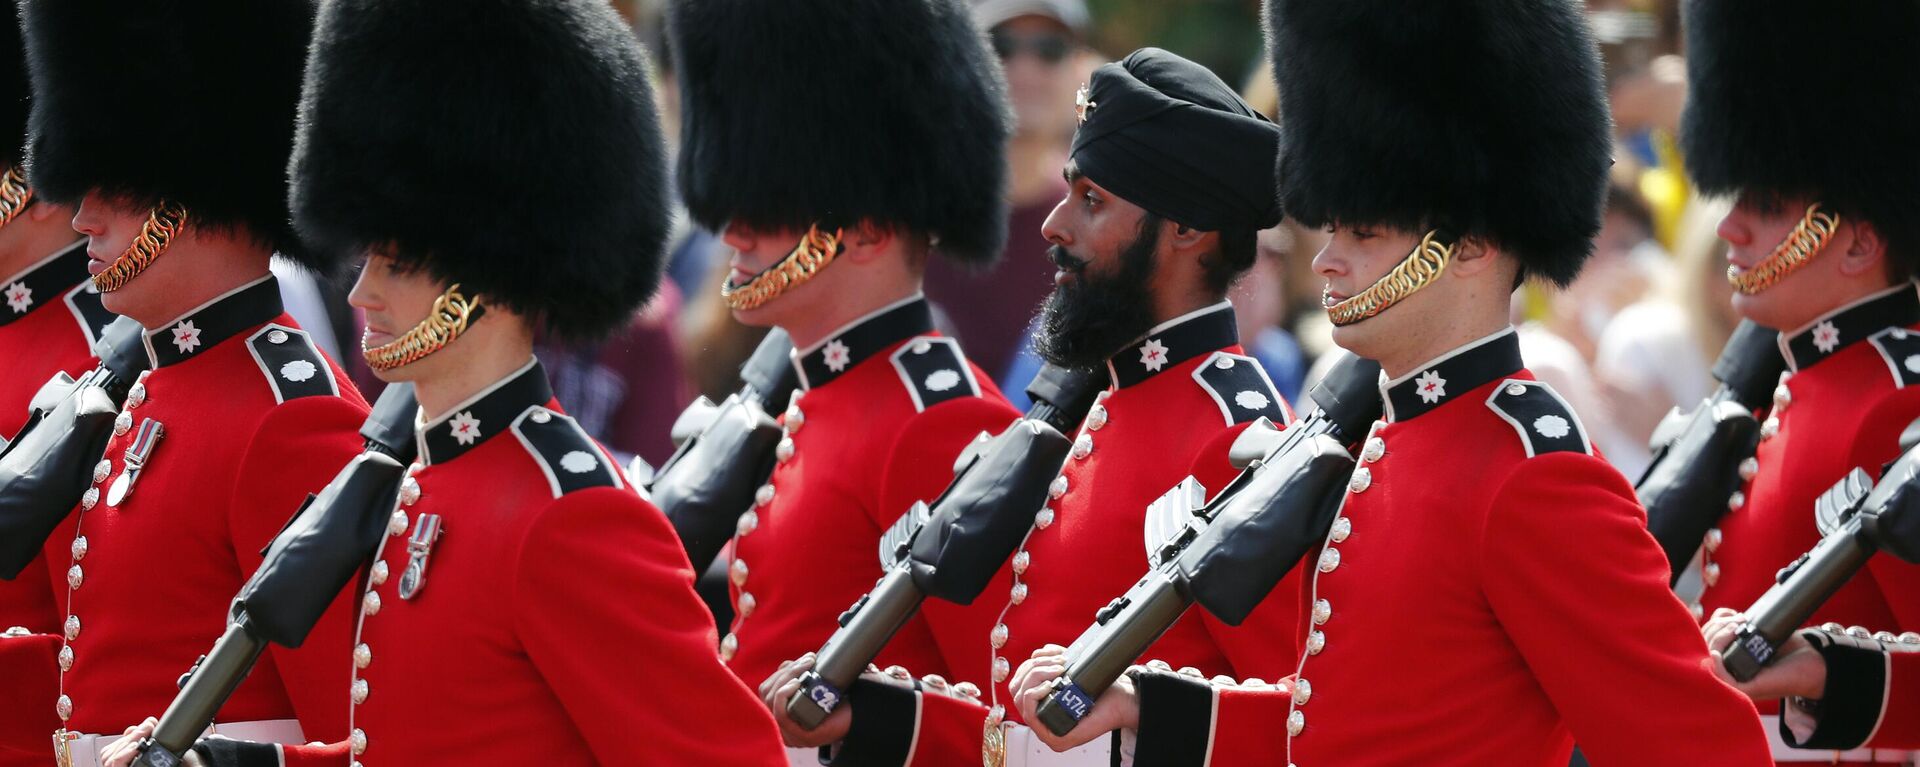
1144	269
171	127
1823	240
838	145
49	320
1839	688
500	167
1488	593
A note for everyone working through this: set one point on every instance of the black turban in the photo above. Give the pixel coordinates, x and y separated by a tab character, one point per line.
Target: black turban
1167	135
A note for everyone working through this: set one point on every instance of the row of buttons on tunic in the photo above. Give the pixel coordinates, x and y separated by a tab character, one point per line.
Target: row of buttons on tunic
1371	453
76	575
744	605
1709	569
370	603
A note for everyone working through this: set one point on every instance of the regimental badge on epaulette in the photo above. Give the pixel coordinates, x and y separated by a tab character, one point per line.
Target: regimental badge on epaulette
934	371
1241	388
292	364
1900	347
1546	422
565	453
84	301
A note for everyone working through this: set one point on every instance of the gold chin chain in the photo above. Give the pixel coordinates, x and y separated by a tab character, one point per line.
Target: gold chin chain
163	223
14	195
1416	271
449	318
1799	247
815	251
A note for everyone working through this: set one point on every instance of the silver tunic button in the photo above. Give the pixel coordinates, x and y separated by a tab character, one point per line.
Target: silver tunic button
1711	573
783	452
1058	488
64	707
72	627
409	491
1782	397
397	524
738	572
1019	593
1083	447
1296	722
541	416
1376	449
999	636
1302	692
1316	641
764	495
75	577
360	691
1020	561
89	498
1748	468
747	603
370	604
362	655
1044	519
122	423
101	470
1342	527
1329	560
1714	537
79	548
1322	610
277	336
358	740
137	395
1361	480
729	645
1770	428
1737	500
1097	418
66	657
1001	668
749	522
795	419
379	573
1516	390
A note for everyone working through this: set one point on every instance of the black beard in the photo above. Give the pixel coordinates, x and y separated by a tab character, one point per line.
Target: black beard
1091	318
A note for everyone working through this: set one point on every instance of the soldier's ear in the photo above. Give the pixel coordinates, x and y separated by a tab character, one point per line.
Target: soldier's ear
866	240
1473	256
1866	249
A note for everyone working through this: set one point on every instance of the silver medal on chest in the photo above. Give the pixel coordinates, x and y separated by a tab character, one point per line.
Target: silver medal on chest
426	532
136	456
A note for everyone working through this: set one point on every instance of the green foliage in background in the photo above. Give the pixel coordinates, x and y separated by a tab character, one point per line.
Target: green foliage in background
1224	35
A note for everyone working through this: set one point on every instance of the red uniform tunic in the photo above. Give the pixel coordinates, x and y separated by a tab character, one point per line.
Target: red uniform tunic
1487	595
551	620
239	419
1180	396
885	406
1872	699
1842	404
49	320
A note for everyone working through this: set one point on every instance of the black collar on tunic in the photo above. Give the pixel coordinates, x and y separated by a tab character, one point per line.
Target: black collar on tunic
492	411
1202	331
1897	306
847	347
237	311
43	283
1451	375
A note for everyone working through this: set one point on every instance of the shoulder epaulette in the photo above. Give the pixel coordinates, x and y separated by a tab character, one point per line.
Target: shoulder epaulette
1900	348
1241	388
568	457
934	371
291	363
1544	421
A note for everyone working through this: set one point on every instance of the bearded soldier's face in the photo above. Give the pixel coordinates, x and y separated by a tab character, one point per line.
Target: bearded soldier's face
1105	249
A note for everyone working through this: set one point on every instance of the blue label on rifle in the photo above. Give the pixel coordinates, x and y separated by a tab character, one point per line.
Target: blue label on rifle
1073	699
1761	650
824	695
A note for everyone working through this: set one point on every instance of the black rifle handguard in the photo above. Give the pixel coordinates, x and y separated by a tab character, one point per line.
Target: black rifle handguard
970	530
1697	455
306	566
1237	547
710	479
49	465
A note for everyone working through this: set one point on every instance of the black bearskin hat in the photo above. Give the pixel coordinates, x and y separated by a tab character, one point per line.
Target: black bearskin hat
190	101
1485	118
837	111
510	146
1815	100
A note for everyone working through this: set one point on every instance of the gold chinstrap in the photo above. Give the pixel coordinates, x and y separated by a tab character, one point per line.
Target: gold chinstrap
164	221
815	251
1793	252
15	194
1416	271
451	314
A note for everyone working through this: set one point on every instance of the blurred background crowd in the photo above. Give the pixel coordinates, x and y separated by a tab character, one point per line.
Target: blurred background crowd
1632	338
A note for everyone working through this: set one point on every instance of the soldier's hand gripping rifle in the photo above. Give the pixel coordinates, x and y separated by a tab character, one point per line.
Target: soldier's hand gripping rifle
725	452
49	465
329	539
1229	553
1697	454
952	548
1858	518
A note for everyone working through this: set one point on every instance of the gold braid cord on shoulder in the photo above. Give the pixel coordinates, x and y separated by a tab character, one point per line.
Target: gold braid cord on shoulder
14	195
815	251
1416	271
1799	247
163	222
449	317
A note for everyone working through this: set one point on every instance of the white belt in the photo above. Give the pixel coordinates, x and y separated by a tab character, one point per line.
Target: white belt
1024	749
1785	753
86	748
